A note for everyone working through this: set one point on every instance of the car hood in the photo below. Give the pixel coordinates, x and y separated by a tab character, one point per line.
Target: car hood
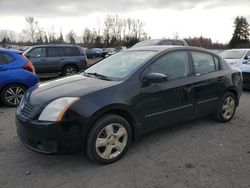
73	86
245	68
234	62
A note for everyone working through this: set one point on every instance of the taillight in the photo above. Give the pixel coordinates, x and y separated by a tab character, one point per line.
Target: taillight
28	65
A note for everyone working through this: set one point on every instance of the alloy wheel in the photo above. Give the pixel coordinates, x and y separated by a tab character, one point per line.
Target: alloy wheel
228	107
70	71
111	141
13	95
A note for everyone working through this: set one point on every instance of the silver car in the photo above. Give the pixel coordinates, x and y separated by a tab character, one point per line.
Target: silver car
236	57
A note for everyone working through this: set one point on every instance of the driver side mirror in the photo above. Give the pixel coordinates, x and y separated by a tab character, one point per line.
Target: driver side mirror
154	78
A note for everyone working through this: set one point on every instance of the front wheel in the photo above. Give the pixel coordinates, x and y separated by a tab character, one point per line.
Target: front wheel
226	107
109	139
12	94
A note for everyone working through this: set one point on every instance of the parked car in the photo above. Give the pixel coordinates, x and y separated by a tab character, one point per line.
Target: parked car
113	51
245	69
154	42
105	51
125	96
17	74
97	52
88	53
217	51
236	57
51	60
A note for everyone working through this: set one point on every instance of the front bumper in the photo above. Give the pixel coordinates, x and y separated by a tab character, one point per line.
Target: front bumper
50	137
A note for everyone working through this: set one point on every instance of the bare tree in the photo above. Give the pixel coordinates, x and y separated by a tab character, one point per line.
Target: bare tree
32	29
71	36
86	36
51	35
108	24
124	29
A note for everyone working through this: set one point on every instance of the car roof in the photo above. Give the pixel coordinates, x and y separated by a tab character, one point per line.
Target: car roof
56	45
8	50
160	48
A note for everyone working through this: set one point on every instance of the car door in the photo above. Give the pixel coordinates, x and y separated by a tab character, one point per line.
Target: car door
38	58
171	101
210	82
55	56
6	64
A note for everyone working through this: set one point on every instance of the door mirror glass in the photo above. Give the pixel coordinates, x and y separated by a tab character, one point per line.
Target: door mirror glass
155	78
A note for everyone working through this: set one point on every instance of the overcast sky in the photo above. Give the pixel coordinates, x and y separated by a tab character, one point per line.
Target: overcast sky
163	18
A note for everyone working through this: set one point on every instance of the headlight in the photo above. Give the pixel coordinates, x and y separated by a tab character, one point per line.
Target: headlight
55	110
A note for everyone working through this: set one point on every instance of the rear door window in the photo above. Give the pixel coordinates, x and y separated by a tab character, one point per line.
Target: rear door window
6	58
71	51
54	51
203	63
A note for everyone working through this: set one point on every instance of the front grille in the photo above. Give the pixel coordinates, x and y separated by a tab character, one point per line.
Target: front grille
246	77
26	109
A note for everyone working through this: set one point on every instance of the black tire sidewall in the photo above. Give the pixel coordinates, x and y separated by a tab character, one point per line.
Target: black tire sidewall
5	89
69	66
94	132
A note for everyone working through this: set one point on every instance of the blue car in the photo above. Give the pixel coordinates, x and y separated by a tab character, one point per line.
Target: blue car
17	74
245	69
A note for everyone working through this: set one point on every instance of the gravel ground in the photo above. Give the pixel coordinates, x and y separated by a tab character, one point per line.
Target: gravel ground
200	153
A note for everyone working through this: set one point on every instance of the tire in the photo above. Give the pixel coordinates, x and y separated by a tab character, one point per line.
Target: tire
114	135
226	108
69	70
12	94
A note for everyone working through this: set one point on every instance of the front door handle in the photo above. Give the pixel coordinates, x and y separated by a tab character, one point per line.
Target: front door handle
221	78
188	89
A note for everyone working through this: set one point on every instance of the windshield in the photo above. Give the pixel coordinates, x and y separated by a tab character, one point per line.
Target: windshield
233	54
120	65
146	43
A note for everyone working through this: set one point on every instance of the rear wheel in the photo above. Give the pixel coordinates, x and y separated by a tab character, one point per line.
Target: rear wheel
12	94
109	139
69	70
226	107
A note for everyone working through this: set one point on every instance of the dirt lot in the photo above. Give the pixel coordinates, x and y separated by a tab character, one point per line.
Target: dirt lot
201	153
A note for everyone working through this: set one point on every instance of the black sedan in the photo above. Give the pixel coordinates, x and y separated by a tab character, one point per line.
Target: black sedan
125	96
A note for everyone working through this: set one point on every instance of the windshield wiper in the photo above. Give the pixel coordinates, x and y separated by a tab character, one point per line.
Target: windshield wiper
98	75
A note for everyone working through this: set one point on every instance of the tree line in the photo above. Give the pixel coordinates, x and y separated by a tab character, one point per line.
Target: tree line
115	31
